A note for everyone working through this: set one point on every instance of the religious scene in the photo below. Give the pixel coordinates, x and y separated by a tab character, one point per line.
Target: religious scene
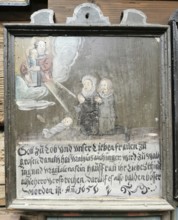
62	95
88	123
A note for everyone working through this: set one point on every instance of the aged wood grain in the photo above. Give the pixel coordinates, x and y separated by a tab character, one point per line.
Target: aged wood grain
11	217
2	195
15	215
2	173
2	169
156	11
1	76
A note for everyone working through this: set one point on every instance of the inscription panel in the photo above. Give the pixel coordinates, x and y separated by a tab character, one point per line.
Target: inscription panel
88	169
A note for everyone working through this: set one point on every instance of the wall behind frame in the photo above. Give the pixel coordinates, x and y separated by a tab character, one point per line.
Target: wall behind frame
156	11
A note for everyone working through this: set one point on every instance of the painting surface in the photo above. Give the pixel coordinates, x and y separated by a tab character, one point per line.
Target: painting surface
87	117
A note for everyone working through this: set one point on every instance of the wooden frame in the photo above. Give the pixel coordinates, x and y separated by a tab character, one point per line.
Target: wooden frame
101	203
174	37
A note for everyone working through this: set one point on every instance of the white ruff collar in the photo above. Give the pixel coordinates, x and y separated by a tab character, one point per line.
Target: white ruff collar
88	94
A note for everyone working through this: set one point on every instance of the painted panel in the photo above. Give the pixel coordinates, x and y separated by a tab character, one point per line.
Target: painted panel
87	117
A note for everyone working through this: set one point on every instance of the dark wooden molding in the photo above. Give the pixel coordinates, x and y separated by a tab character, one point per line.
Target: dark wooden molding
21	12
173	21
